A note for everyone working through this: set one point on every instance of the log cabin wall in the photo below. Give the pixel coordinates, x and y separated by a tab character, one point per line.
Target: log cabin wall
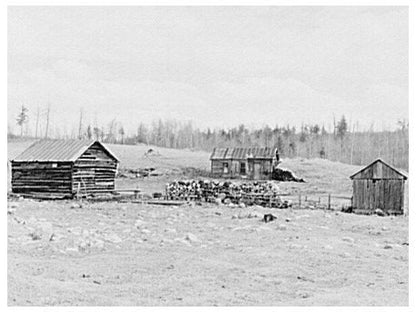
39	177
94	171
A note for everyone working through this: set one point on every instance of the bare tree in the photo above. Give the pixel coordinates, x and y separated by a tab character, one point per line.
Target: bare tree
122	133
80	124
47	120
89	132
37	122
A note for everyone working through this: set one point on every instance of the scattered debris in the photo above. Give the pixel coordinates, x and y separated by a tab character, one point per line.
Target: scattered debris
192	238
269	217
348	209
348	239
305	279
35	235
380	212
76	206
157	195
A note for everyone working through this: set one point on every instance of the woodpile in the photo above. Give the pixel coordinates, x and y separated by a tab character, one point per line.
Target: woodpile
263	193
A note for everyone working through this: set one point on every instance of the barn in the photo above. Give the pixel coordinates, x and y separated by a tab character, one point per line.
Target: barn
378	186
255	163
64	168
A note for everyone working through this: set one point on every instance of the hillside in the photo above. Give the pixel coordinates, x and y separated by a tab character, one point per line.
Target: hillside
322	176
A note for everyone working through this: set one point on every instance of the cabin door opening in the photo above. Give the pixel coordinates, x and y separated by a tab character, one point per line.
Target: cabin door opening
243	168
257	169
225	168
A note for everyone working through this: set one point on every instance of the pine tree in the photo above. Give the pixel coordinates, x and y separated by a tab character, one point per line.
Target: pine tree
22	118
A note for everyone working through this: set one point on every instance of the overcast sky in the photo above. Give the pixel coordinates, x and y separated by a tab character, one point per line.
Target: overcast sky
216	66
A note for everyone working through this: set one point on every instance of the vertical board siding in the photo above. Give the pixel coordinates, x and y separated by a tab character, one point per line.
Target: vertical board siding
378	186
234	168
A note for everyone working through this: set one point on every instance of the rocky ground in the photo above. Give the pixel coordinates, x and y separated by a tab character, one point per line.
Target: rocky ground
64	253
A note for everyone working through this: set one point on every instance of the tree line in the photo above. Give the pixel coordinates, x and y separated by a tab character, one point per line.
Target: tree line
345	142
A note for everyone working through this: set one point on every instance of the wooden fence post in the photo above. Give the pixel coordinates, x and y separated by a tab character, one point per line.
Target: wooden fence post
329	201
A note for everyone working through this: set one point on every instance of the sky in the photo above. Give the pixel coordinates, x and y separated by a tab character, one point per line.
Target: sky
214	66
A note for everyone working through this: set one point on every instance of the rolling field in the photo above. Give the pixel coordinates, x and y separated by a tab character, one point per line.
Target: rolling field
322	176
110	253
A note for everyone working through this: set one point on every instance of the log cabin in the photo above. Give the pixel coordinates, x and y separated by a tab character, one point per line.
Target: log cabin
255	163
64	168
378	186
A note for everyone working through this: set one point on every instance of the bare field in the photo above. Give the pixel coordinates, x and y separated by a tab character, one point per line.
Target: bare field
108	253
133	254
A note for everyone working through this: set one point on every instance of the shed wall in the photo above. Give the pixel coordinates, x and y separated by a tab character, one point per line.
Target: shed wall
255	168
388	195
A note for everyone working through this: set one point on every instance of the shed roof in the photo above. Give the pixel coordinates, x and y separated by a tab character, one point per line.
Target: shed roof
243	153
379	169
58	151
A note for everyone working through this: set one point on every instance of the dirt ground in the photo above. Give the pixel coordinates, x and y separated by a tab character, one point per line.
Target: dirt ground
135	254
111	253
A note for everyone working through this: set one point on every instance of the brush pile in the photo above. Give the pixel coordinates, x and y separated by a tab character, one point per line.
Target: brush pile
280	174
263	193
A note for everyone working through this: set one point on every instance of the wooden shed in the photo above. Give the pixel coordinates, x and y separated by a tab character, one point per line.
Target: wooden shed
378	186
246	163
64	168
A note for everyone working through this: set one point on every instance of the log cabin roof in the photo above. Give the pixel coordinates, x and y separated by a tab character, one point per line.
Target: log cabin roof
58	151
243	153
379	169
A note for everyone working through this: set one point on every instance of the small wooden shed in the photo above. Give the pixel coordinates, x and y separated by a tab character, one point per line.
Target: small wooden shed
254	163
378	186
64	168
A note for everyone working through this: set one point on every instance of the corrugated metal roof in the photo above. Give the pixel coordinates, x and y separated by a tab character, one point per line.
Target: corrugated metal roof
57	150
219	153
243	153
